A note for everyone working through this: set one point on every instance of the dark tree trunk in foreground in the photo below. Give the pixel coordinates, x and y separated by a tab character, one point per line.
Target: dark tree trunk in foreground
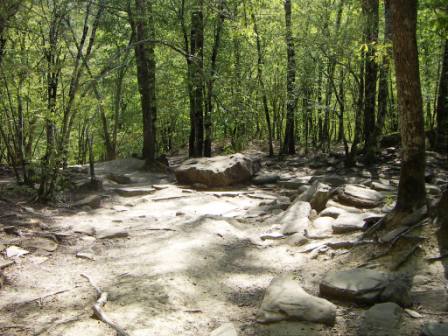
442	106
411	190
143	26
197	79
8	8
289	144
371	17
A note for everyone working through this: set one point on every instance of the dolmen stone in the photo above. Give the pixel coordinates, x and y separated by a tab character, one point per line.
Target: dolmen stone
365	286
435	329
383	319
285	299
360	197
219	171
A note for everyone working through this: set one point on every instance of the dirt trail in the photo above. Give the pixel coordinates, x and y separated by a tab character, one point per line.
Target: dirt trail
191	261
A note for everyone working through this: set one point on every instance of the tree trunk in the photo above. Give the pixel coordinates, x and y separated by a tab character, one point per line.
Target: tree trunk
143	26
260	64
197	79
371	16
411	190
211	81
442	106
289	146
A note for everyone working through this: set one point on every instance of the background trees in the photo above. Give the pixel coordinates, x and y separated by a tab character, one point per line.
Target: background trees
289	75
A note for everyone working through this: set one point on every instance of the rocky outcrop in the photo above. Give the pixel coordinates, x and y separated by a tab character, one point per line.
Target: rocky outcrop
219	171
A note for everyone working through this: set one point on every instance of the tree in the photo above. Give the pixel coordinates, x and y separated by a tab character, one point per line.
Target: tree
142	23
442	105
289	146
8	8
411	190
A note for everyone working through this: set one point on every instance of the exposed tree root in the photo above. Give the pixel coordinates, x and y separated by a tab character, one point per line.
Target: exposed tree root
401	261
98	308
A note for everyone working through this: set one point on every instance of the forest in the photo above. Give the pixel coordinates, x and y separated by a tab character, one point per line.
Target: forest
224	167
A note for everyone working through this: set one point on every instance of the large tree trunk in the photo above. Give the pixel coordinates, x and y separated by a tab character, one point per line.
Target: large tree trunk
197	81
8	8
142	20
411	190
442	106
289	144
371	17
211	80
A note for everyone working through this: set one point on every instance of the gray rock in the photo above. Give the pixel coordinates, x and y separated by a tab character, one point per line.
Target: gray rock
285	299
365	286
265	179
219	171
349	223
333	203
38	243
322	226
297	226
93	201
227	329
433	190
134	191
333	180
111	234
333	212
361	197
297	239
294	219
435	329
378	186
293	184
382	319
318	195
120	179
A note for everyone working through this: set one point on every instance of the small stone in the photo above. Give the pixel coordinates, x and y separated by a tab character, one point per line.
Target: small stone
272	236
86	254
297	239
15	252
413	313
40	244
285	299
5	263
227	329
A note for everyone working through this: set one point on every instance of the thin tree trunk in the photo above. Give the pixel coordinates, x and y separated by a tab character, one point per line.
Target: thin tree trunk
289	146
411	190
260	64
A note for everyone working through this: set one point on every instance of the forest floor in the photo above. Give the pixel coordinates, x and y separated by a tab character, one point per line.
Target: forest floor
178	261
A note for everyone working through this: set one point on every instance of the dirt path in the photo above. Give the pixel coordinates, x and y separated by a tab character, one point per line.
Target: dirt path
183	262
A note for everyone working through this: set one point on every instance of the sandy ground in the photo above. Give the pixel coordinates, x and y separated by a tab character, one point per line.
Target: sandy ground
192	261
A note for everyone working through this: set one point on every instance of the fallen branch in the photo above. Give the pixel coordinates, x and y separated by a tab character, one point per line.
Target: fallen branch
98	308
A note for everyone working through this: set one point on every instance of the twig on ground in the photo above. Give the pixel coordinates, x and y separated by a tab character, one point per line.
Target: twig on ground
98	308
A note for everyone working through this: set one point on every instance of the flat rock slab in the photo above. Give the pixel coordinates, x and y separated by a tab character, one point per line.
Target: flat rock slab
265	179
322	226
93	201
134	191
111	234
227	329
349	222
333	180
219	171
360	197
435	329
382	319
40	244
294	219
285	299
120	179
365	286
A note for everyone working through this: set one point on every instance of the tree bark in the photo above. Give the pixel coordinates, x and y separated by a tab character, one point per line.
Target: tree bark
143	26
211	80
371	16
289	145
442	106
411	190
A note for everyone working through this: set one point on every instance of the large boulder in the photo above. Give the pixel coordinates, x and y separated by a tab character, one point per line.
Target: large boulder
285	299
365	286
219	171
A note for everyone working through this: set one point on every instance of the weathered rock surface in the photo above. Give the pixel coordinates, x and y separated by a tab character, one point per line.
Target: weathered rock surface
382	319
93	201
435	329
361	197
134	191
317	195
322	226
265	179
39	243
332	180
219	171
111	233
294	219
365	286
120	179
227	329
348	223
285	299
